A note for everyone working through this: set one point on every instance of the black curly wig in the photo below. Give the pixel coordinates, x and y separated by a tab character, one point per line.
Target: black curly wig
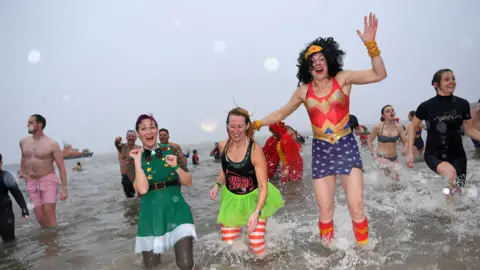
332	53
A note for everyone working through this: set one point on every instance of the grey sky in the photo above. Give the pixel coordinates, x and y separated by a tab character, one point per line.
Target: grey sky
104	62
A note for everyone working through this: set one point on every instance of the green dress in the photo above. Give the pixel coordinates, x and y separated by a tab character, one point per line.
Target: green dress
165	217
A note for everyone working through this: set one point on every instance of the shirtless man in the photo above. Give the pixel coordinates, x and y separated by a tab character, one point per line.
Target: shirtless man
39	152
164	136
475	114
123	154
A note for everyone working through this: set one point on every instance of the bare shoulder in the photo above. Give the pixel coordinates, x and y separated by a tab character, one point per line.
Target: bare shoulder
221	145
341	77
51	141
301	91
25	139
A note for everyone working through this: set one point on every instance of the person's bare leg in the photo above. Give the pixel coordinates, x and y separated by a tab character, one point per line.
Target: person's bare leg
353	186
324	190
40	215
50	214
151	260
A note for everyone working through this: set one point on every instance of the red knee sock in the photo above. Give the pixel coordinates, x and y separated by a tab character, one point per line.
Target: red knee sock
326	230
360	230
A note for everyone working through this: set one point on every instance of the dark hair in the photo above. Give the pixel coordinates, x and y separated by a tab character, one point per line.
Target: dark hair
333	56
165	130
194	151
353	121
143	117
411	113
1	158
383	110
239	112
131	130
437	77
40	119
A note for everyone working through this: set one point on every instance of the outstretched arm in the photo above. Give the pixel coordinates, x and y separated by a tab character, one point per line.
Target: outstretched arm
287	109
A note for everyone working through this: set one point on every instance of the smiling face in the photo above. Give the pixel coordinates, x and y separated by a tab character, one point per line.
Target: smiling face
388	113
147	132
319	68
447	83
131	137
237	128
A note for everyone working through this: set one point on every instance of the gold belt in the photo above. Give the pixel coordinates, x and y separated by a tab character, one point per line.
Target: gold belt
334	137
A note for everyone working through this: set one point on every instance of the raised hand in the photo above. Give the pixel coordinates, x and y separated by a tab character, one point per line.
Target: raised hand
370	26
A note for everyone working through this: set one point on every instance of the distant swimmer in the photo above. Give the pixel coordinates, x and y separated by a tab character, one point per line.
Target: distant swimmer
215	153
195	159
123	155
475	113
418	143
39	152
77	168
7	218
324	89
444	114
387	132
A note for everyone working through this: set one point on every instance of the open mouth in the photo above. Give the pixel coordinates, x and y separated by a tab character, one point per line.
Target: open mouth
150	138
319	70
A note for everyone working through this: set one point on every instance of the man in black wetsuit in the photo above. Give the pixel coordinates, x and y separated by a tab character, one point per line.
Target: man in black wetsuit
7	218
444	115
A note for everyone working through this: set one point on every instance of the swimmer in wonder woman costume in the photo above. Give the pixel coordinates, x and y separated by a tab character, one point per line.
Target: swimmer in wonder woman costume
325	91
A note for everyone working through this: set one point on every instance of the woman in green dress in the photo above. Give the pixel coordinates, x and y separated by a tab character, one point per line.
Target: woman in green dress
247	198
165	218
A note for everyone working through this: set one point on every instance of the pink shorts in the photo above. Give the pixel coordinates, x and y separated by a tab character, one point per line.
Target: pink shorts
43	190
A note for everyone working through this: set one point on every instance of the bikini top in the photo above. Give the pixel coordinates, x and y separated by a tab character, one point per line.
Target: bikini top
388	139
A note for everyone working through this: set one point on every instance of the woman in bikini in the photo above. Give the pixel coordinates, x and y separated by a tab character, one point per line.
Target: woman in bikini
324	88
387	132
247	198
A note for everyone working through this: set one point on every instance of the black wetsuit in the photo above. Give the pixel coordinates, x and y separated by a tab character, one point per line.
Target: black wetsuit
444	116
7	218
240	177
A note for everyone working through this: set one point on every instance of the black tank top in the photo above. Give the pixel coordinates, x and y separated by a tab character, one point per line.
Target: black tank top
240	177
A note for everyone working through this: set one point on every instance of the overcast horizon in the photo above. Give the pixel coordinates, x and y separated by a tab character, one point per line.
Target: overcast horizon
91	67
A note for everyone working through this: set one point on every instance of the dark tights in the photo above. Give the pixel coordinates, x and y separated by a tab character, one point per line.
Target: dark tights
183	255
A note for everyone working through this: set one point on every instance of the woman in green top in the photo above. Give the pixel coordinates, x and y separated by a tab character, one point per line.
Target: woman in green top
165	218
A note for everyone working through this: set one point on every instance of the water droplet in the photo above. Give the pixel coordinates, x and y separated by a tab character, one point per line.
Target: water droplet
446	248
66	97
207	225
472	192
175	198
342	243
30	206
177	22
219	46
271	64
34	56
444	156
174	225
442	127
230	242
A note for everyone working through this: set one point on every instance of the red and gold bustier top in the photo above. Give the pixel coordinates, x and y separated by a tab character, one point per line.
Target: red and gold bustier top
330	114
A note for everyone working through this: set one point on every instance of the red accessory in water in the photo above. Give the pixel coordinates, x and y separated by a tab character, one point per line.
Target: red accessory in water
286	150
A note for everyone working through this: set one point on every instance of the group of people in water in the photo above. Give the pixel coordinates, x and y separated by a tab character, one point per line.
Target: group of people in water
155	171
